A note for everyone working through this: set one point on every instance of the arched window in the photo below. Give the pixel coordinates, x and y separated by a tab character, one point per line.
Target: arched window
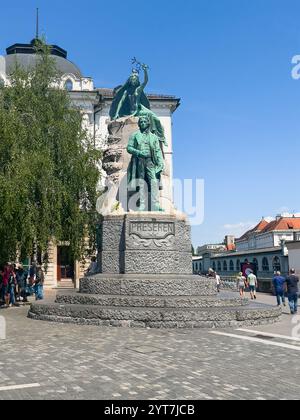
265	264
255	262
219	266
276	264
69	85
238	265
214	266
231	266
225	266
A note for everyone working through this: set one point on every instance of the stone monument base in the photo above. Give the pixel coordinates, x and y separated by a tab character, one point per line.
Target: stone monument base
152	301
146	281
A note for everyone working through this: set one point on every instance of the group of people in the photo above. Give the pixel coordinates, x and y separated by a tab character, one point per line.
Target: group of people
249	282
287	285
17	283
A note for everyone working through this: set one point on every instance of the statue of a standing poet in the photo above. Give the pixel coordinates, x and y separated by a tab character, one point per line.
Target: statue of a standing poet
130	100
146	166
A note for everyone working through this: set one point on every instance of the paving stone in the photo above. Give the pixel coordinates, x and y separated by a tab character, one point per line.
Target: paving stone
91	362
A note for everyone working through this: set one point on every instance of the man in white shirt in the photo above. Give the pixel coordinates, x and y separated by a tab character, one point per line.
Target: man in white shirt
252	283
218	282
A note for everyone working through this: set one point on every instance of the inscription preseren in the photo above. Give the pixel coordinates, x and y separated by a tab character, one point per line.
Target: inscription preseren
152	229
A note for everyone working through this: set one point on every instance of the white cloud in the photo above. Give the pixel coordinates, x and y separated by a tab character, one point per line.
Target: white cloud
287	212
238	229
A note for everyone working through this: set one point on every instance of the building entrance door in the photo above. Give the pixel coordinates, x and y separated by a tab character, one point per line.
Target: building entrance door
65	264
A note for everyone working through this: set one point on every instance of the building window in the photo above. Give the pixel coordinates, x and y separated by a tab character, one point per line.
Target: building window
69	85
276	264
225	266
200	267
214	266
231	266
265	264
255	263
219	266
238	265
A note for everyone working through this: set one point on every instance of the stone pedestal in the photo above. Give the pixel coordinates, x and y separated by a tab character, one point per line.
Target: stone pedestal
145	243
146	281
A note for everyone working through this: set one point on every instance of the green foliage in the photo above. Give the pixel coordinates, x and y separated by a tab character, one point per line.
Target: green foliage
48	165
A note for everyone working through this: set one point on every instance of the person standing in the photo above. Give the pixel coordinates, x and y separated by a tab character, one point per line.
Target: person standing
252	282
218	282
21	276
279	288
293	289
12	284
241	284
39	284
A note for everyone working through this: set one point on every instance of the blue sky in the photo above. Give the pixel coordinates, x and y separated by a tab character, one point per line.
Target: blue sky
238	127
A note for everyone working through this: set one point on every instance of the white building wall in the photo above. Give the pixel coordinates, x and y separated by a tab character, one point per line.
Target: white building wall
294	256
278	237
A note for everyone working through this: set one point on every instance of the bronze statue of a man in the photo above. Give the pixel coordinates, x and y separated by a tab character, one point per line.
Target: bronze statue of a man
146	166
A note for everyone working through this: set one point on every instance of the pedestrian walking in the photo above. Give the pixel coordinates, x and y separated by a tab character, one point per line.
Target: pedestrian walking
241	285
293	289
252	283
279	284
218	282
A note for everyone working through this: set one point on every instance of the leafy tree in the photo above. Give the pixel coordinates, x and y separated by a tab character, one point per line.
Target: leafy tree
48	165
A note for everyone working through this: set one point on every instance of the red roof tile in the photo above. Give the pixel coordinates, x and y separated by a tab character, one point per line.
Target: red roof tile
258	228
284	223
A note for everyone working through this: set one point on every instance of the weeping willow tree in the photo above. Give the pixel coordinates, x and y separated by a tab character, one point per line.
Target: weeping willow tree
48	165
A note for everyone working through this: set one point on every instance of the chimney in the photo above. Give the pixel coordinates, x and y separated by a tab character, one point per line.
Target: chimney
230	242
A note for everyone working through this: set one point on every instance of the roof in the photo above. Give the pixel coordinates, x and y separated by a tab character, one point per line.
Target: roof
25	56
283	224
31	49
257	229
28	61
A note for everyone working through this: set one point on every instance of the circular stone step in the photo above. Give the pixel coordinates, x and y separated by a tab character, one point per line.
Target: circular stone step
254	314
75	298
148	285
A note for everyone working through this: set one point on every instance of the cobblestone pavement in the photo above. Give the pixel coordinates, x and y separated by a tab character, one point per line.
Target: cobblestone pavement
57	361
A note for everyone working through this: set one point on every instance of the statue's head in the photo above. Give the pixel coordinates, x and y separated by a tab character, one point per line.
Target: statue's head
134	79
144	122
